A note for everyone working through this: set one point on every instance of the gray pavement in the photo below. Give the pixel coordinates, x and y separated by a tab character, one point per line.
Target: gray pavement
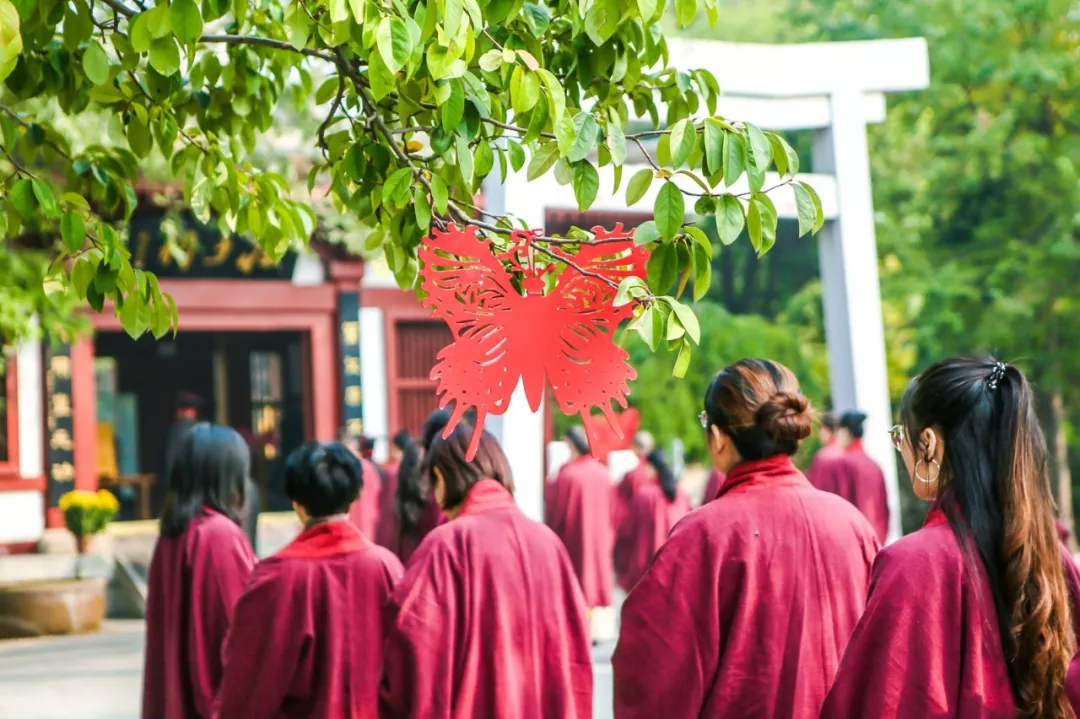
99	676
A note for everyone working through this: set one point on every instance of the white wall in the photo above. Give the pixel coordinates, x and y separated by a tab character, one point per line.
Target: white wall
22	513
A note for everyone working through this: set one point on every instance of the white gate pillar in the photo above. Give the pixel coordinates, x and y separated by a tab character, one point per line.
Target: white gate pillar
850	287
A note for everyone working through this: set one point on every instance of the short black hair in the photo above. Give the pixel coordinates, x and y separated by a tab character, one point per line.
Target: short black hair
323	478
210	470
854	423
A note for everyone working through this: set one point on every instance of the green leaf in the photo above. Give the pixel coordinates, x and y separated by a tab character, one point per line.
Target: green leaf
491	60
669	210
524	90
358	9
394	43
11	44
483	160
339	10
638	186
685	10
544	156
705	205
687	319
714	146
326	91
663	268
187	22
422	210
616	143
45	198
767	211
647	8
646	233
465	159
71	198
453	12
734	157
140	31
23	198
683	139
159	21
801	189
729	219
702	262
586	182
397	186
556	95
760	148
442	63
682	360
95	63
517	155
453	108
538	119
753	226
632	287
439	194
585	130
298	28
165	56
138	136
650	325
82	274
537	19
475	15
602	20
73	230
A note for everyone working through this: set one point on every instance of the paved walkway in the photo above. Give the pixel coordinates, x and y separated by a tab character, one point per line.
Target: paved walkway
100	676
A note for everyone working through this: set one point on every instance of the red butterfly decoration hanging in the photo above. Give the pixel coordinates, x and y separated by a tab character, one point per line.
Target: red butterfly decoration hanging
506	328
606	439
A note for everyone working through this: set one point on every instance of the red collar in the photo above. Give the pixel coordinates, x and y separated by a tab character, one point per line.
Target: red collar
855	447
329	539
485	496
777	471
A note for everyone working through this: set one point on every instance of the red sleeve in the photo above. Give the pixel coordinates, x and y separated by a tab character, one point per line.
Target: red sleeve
905	655
221	563
421	622
263	648
669	640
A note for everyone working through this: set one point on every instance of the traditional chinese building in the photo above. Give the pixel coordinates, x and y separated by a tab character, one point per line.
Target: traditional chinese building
284	352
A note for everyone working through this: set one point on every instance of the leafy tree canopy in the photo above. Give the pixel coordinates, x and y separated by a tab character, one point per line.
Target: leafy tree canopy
418	101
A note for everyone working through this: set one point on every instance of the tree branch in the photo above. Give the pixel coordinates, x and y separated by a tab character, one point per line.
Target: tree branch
120	8
264	42
330	115
15	116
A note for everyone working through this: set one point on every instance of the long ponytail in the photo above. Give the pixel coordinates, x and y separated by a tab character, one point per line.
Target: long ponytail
664	474
995	491
412	489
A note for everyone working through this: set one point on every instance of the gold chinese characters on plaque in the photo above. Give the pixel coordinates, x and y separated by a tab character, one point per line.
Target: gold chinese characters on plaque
63	472
355	427
353	396
60	440
350	332
61	405
352	365
61	367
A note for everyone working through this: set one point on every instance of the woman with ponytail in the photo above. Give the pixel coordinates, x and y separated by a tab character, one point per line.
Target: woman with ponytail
971	616
745	610
657	504
417	511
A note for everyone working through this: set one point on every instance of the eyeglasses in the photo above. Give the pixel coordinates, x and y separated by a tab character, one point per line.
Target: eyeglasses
704	419
896	433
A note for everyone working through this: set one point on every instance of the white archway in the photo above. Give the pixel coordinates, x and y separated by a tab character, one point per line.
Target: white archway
834	89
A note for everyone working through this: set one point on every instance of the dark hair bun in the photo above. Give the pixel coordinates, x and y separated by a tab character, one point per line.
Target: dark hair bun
785	417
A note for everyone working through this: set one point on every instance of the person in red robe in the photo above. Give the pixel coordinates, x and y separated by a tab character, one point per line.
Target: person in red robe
656	506
745	610
643	444
387	533
417	511
831	450
200	565
489	621
306	637
580	507
712	486
972	615
364	512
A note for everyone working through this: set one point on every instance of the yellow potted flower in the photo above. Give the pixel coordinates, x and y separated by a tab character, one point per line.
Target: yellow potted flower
87	513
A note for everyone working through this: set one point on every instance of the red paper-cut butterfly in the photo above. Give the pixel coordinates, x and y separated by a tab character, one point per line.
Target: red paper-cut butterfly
506	328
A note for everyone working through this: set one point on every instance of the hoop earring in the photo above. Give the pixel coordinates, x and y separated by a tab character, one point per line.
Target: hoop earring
928	480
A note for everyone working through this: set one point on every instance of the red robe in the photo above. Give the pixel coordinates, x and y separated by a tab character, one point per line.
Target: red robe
431	516
580	507
488	622
746	609
644	529
306	640
195	581
364	512
387	533
712	487
858	479
628	485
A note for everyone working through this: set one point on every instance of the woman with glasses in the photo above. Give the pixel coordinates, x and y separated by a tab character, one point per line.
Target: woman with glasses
488	622
746	609
306	640
973	615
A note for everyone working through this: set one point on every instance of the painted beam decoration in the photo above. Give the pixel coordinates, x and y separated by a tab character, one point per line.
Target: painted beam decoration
349	344
530	310
60	423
